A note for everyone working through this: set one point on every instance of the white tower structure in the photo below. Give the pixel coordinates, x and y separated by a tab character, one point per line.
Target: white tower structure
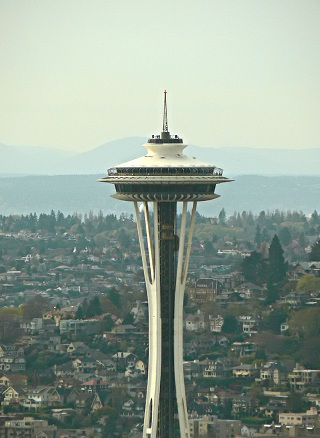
155	183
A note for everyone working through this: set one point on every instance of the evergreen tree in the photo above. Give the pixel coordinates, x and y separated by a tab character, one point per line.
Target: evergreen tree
222	217
94	307
265	236
277	266
302	240
262	218
254	267
315	218
230	324
285	236
257	237
314	255
114	297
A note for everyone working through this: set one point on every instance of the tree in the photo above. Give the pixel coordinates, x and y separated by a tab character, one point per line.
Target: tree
309	354
208	248
230	324
107	323
222	217
114	297
308	283
254	267
107	306
314	255
277	266
285	236
315	218
124	238
35	307
295	402
275	319
306	322
128	319
257	237
9	325
94	307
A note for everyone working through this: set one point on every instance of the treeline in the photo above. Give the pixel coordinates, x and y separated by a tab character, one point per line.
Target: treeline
266	221
54	222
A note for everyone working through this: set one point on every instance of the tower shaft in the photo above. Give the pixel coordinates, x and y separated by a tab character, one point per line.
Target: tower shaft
166	230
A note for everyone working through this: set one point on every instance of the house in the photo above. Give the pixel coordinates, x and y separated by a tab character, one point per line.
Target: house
242	404
20	380
249	290
124	329
140	311
11	395
96	402
273	372
77	348
33	326
210	425
28	427
216	323
309	418
204	290
302	378
242	371
196	322
222	340
207	396
85	364
294	299
277	402
78	326
243	348
63	370
133	408
222	367
94	385
284	326
249	324
12	362
199	345
313	268
62	414
41	396
296	271
207	368
191	369
11	349
78	399
140	367
4	381
125	359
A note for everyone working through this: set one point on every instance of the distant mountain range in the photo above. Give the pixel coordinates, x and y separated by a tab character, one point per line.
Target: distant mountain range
22	160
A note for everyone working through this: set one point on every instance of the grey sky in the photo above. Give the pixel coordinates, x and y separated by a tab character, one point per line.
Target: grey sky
78	73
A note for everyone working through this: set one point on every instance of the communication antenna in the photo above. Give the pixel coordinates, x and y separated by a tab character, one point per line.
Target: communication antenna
165	118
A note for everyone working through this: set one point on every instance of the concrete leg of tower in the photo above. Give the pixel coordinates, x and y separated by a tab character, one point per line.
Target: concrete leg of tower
181	277
152	278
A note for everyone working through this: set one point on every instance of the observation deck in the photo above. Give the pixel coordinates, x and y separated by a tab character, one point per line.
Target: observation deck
165	174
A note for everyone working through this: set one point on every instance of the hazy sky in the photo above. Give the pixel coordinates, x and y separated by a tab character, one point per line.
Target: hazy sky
78	73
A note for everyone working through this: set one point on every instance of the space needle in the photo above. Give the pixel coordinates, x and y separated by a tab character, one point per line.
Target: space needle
155	183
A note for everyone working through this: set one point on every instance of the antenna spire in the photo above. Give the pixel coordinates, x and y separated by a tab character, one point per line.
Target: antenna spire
165	118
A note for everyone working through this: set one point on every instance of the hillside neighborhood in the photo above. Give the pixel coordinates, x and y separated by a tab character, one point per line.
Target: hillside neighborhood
74	326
